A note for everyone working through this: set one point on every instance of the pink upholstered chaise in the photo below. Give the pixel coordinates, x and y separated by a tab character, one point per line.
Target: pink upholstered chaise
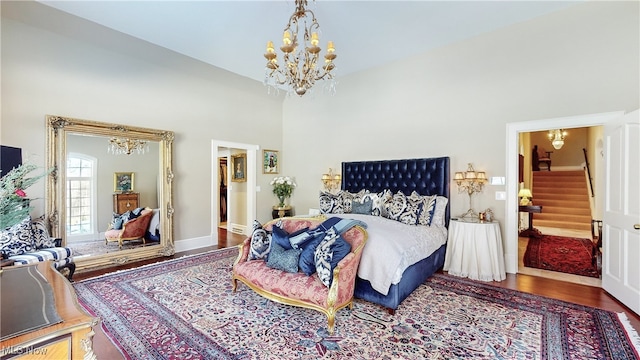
298	289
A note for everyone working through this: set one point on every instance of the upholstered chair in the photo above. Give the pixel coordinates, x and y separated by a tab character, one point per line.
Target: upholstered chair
133	229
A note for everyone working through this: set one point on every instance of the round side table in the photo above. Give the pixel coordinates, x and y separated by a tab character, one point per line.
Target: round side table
281	211
474	250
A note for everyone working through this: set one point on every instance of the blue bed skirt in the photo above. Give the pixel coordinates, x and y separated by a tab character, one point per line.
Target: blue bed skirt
412	277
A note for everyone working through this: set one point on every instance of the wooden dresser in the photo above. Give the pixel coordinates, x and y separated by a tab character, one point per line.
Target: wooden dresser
70	339
125	202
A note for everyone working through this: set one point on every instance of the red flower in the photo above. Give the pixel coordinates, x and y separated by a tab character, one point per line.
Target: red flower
21	193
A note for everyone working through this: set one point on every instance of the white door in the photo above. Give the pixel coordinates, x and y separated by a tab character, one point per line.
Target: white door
621	229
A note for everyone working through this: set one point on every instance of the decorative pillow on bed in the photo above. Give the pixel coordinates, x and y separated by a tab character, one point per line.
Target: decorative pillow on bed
396	206
428	208
440	211
17	240
328	254
282	259
364	208
339	203
260	242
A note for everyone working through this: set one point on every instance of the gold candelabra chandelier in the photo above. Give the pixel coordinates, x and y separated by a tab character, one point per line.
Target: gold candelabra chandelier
301	69
122	146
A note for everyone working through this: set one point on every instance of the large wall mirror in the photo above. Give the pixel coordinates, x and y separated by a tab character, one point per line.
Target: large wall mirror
102	171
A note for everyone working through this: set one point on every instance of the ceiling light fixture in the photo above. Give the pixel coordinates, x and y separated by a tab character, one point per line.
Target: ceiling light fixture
121	146
300	70
557	138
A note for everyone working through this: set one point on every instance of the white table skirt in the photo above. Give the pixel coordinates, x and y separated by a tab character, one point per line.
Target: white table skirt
474	250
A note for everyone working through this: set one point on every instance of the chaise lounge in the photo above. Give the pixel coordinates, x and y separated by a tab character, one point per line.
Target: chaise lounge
297	288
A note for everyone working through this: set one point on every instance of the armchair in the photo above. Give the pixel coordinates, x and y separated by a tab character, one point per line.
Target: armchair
133	229
28	242
540	155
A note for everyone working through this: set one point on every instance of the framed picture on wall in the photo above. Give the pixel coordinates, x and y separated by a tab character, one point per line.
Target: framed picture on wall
270	162
239	167
123	182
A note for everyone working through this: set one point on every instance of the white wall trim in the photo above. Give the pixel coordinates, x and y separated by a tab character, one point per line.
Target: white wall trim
511	205
194	243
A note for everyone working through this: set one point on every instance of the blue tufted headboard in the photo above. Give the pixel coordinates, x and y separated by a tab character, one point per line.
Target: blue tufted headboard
429	176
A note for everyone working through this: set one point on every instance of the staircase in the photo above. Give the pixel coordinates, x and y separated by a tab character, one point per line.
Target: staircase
564	198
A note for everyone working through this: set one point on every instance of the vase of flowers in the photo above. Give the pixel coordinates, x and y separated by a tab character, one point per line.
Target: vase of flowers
14	203
282	187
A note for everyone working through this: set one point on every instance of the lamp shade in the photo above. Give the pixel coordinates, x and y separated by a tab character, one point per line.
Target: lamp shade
458	176
525	193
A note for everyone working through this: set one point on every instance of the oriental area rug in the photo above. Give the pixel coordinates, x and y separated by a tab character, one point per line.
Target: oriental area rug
563	254
185	309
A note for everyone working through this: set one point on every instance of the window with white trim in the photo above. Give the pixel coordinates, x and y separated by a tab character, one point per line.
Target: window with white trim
81	196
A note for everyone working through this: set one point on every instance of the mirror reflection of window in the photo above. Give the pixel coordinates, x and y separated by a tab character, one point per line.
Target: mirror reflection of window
81	196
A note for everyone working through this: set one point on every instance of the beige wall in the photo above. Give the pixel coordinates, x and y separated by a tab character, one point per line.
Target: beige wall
456	101
53	63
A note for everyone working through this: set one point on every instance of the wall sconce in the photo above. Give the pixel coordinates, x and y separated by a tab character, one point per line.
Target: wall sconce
470	181
557	138
331	181
525	197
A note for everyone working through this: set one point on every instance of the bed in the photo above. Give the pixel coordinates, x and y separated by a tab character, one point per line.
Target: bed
425	176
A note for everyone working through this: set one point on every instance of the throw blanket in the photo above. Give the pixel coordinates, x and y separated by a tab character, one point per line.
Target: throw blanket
392	247
340	225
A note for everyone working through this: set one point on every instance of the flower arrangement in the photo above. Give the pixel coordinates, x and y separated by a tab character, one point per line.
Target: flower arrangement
14	204
282	187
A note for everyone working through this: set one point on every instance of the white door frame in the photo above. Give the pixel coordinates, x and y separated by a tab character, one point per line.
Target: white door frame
217	149
511	205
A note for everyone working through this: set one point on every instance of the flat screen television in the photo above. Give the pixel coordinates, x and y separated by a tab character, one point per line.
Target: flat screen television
10	157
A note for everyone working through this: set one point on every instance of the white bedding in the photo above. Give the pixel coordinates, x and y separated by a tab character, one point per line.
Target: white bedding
392	247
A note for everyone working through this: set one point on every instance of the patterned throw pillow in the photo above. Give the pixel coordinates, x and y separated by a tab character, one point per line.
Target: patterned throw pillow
396	206
40	233
439	212
281	259
339	203
328	254
428	208
260	242
17	239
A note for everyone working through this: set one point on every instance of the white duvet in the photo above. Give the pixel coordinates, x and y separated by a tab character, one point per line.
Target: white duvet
392	247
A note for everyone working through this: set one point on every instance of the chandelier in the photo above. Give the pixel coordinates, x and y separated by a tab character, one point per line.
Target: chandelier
557	138
300	70
121	146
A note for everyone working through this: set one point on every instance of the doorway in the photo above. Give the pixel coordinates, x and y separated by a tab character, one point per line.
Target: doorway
220	148
513	145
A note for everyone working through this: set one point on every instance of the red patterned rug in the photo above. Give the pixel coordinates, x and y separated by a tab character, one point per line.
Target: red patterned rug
185	309
563	254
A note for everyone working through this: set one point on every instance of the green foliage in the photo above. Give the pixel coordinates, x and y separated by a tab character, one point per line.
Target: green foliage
14	203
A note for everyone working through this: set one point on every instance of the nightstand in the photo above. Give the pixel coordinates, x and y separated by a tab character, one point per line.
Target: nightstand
474	250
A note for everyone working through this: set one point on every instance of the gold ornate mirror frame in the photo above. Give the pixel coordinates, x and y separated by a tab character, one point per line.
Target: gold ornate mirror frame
58	128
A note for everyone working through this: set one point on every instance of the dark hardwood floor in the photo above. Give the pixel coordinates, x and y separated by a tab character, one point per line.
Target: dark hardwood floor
575	293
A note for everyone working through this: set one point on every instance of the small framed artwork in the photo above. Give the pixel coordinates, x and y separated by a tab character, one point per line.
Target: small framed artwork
270	161
239	167
123	182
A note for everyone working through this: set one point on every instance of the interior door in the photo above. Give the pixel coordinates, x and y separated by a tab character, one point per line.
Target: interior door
621	229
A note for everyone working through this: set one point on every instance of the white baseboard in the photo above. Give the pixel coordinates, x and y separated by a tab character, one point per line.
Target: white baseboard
237	228
195	243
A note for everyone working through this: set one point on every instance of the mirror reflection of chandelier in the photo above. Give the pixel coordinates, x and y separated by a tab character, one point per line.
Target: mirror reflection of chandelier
300	70
557	138
126	146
